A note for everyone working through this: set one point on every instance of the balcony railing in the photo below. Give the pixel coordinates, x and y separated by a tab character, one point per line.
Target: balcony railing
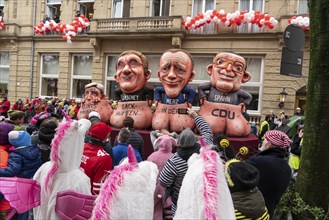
10	29
139	24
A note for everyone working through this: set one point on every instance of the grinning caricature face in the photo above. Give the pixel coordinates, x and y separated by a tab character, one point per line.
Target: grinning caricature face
175	71
132	71
227	72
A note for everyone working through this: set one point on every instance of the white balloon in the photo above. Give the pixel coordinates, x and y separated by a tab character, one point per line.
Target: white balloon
293	21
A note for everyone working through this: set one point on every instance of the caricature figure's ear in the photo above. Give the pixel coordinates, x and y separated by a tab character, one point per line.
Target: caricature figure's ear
115	77
246	77
209	69
192	76
148	74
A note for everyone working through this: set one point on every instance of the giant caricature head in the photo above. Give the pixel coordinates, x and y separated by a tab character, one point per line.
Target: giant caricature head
228	71
94	92
132	71
175	71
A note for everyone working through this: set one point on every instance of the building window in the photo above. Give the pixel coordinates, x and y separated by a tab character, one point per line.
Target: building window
49	75
2	5
81	74
53	8
255	66
121	8
203	6
4	73
86	8
250	5
302	7
160	8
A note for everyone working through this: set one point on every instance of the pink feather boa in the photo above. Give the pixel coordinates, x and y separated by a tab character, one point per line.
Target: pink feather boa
61	130
102	209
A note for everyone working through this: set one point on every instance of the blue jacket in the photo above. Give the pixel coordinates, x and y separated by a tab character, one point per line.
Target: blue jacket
188	91
120	152
23	162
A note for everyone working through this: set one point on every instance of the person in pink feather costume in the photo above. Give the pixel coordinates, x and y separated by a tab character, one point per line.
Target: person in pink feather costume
162	205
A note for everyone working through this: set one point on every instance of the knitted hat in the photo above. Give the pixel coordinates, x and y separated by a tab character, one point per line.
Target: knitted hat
19	138
94	114
241	175
11	113
5	128
100	131
277	138
187	138
97	85
47	131
166	143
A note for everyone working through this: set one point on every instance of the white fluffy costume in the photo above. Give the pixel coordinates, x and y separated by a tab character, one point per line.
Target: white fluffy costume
128	191
204	193
63	171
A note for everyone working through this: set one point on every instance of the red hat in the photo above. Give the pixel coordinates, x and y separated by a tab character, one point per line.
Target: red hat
278	138
100	131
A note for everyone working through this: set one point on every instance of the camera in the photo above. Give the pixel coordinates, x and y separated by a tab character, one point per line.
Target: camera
182	111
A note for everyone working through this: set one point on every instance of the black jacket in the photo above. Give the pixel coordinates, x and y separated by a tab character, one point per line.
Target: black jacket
275	175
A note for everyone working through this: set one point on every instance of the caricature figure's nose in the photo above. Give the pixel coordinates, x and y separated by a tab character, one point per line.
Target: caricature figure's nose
172	73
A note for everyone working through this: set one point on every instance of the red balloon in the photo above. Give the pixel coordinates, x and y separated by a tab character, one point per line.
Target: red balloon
270	26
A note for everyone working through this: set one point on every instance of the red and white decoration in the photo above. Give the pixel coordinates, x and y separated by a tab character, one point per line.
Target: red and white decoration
68	30
303	22
2	23
228	19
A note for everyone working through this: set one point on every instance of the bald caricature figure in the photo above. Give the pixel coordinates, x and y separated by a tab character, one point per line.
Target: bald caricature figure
175	72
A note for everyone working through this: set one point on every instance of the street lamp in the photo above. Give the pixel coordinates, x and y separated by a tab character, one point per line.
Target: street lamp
283	96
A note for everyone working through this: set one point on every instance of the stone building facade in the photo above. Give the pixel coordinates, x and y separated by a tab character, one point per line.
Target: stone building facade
46	65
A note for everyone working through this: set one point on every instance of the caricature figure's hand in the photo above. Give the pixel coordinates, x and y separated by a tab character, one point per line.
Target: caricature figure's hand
202	100
243	107
189	105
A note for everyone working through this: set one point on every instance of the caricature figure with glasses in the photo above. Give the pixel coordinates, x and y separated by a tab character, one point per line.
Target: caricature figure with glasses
221	99
132	98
